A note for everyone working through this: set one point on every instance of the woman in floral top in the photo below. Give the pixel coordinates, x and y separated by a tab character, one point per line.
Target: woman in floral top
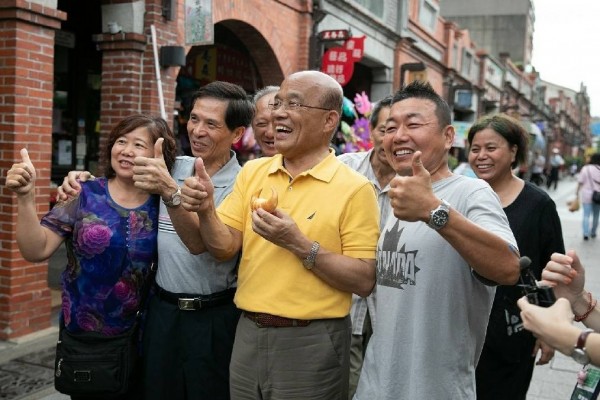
109	229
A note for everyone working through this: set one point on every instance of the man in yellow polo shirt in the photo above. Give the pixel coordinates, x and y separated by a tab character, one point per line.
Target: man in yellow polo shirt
301	262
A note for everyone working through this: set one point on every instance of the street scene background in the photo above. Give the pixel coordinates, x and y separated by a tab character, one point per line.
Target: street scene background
26	364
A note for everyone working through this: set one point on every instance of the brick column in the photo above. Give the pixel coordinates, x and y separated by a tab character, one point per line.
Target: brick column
122	78
26	90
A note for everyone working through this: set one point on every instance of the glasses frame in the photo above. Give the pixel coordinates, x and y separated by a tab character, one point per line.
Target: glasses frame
295	107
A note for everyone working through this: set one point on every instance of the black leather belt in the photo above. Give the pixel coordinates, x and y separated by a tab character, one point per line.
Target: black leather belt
190	302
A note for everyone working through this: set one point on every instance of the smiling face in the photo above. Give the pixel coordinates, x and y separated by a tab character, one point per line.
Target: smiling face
209	136
262	127
378	133
413	125
127	147
300	130
491	156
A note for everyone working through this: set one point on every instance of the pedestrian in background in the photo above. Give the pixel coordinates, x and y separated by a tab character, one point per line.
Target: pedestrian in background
537	170
588	181
374	165
110	230
556	163
498	144
302	260
439	256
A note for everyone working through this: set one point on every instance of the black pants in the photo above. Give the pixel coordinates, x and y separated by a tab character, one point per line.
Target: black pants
187	353
552	178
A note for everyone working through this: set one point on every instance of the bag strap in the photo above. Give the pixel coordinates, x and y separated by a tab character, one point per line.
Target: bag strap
146	289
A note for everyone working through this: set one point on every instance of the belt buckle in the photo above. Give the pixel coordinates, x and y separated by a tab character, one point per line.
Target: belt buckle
187	304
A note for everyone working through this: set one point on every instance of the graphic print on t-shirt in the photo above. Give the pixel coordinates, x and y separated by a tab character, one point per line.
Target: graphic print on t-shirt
395	265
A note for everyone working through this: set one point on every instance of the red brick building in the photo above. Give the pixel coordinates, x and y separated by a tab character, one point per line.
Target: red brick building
69	70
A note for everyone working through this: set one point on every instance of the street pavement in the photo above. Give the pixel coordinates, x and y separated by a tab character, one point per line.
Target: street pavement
26	364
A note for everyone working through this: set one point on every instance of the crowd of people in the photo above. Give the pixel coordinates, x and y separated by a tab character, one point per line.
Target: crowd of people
374	275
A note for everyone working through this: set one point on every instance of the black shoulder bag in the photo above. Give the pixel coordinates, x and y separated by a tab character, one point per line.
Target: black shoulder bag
90	363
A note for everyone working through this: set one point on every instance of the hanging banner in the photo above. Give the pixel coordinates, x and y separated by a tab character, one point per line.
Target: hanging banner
356	46
199	28
338	63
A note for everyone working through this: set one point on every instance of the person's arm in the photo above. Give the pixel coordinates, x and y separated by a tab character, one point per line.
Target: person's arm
35	242
152	175
342	272
489	255
554	326
566	275
212	235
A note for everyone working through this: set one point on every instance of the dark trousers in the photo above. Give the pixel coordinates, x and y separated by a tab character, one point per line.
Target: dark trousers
187	353
498	379
552	178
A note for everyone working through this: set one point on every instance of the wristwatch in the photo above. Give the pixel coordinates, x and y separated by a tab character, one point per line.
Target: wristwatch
579	354
438	218
309	261
175	199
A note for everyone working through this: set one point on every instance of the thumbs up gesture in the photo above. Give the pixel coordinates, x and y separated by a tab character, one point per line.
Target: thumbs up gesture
412	197
197	191
151	173
21	176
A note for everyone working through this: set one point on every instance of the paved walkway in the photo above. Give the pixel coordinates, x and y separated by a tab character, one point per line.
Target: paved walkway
26	364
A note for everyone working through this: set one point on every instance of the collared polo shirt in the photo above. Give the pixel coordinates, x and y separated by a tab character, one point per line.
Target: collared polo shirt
331	204
179	271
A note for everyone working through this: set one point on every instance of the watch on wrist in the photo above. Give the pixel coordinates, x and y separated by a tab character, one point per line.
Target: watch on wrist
175	199
579	354
309	261
438	218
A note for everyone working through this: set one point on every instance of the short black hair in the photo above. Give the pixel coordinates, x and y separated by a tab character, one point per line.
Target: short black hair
423	90
385	102
507	127
240	110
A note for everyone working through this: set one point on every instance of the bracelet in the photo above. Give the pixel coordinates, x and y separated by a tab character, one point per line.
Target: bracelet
593	302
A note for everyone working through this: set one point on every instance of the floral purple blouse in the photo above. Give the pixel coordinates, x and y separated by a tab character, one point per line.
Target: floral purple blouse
109	250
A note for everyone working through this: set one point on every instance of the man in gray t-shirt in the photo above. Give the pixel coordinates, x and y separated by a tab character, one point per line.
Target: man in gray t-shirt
439	256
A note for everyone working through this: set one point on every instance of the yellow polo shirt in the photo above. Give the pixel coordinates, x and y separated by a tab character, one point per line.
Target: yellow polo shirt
330	203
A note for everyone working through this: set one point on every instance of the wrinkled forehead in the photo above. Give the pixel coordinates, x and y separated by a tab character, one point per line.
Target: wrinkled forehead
299	87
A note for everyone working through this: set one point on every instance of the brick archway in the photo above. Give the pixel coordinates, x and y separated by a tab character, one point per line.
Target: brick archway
275	30
260	51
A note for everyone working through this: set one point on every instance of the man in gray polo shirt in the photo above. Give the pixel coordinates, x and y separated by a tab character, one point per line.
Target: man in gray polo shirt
191	322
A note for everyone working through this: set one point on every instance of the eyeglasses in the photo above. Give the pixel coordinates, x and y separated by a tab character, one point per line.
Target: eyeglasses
291	106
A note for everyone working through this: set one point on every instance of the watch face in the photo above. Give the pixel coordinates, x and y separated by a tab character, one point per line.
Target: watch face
439	218
580	356
176	199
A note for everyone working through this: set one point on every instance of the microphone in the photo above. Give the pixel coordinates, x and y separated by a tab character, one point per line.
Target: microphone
524	263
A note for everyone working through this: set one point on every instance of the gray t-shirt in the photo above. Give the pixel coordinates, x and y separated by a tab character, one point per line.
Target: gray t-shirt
432	310
179	271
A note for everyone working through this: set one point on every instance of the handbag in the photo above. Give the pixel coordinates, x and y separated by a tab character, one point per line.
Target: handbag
573	204
93	364
595	193
90	363
596	197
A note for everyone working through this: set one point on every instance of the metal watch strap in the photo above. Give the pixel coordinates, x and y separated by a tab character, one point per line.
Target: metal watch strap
172	201
309	261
